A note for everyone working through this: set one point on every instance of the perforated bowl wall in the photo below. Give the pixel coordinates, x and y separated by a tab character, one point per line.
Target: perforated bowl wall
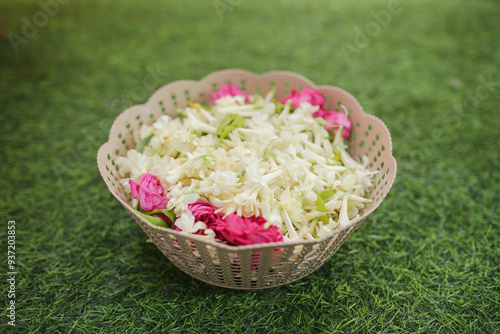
255	266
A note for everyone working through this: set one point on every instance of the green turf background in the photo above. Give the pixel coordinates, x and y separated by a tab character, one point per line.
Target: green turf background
427	261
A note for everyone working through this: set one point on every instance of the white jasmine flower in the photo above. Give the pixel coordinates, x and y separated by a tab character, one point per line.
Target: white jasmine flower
135	164
180	197
291	233
217	181
272	214
257	177
195	124
343	215
186	223
229	101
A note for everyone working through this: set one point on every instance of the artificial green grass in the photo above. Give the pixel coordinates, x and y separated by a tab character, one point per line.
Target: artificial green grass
427	261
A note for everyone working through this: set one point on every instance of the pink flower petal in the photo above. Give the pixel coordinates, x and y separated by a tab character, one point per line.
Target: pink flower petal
312	96
150	193
134	188
229	90
237	230
334	120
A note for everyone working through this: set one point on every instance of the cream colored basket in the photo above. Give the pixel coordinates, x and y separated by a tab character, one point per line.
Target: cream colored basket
254	266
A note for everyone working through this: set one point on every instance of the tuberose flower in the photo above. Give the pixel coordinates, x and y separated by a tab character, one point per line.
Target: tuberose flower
150	193
229	90
187	223
313	97
239	230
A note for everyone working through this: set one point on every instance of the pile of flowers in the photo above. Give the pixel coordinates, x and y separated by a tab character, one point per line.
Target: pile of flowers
248	169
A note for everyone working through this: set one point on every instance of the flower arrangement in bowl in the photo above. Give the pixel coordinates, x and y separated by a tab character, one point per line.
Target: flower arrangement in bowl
248	181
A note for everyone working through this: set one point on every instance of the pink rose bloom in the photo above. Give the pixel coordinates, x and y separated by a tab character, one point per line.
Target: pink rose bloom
237	230
312	96
205	212
334	120
150	193
229	90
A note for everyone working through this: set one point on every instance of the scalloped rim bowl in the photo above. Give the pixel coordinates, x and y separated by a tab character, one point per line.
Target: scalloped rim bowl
253	266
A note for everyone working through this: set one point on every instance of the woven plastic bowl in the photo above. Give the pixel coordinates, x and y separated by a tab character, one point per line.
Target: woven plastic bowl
254	266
